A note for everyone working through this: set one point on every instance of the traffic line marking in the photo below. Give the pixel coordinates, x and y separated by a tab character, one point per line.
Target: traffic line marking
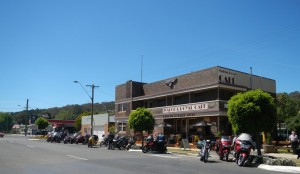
163	156
77	157
30	146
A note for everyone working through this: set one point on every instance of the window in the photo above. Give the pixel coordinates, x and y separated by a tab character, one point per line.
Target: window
122	127
122	107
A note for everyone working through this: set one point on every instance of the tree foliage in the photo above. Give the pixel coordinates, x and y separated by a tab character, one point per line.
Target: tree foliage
141	120
42	123
286	106
5	122
252	112
77	123
293	123
65	115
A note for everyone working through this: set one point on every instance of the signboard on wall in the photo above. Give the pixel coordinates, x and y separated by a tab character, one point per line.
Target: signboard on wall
192	107
227	76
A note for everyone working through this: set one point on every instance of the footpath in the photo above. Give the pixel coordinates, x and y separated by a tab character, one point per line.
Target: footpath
214	155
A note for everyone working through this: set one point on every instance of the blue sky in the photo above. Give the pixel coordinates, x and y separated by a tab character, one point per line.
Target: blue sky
47	44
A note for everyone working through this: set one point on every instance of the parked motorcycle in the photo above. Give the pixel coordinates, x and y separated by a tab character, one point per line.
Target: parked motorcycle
49	136
104	142
119	143
82	139
154	145
205	147
57	137
93	140
223	147
131	143
242	152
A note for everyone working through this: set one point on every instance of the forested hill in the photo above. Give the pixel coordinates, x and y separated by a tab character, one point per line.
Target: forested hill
68	112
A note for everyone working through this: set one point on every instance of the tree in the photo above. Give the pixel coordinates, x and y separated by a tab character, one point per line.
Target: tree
42	123
252	112
293	123
286	107
77	123
5	122
141	120
65	115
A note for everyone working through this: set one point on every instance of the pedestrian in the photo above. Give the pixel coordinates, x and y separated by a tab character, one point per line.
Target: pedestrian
293	138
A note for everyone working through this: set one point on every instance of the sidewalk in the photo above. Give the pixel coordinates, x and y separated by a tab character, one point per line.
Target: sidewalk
285	169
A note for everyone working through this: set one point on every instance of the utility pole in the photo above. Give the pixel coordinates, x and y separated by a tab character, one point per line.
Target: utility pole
92	98
27	117
251	78
92	115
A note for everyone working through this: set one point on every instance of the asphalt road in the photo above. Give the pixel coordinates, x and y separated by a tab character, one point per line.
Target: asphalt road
21	155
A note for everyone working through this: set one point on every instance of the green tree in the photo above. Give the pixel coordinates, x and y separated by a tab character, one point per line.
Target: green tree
286	107
5	122
77	123
293	123
252	112
296	97
42	123
141	120
65	115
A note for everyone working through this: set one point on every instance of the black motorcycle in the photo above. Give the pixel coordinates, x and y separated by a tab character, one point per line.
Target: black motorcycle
104	142
57	137
82	139
119	143
49	137
131	143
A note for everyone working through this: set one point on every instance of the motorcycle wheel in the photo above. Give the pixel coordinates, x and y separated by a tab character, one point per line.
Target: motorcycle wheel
226	156
205	159
241	160
101	143
113	146
145	149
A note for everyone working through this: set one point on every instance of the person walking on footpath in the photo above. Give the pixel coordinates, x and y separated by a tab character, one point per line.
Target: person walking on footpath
293	138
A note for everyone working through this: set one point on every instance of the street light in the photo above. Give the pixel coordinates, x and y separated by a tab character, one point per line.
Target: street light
92	98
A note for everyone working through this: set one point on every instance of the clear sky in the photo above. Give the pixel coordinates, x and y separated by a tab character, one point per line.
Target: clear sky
47	44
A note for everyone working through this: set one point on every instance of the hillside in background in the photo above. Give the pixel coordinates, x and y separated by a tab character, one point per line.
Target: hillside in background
68	112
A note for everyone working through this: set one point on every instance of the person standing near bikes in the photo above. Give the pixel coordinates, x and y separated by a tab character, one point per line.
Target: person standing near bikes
293	138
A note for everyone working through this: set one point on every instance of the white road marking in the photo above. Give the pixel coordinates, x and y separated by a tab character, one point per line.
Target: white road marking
163	156
77	157
30	146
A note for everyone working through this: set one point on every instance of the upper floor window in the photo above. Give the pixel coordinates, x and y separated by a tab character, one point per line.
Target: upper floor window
122	107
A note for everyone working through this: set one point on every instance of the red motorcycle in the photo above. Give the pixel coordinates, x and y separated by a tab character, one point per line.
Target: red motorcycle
242	152
154	145
223	147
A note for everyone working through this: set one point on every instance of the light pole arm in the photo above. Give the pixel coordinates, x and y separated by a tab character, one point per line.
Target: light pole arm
83	89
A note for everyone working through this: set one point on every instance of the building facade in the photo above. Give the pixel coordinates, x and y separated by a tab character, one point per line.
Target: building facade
101	124
189	104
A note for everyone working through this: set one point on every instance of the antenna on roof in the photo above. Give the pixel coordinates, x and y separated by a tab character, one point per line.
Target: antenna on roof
142	68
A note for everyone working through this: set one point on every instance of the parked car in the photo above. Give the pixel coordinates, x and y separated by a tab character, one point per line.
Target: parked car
1	134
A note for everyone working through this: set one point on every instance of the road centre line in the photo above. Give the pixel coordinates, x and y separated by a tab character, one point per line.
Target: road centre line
30	146
77	157
162	156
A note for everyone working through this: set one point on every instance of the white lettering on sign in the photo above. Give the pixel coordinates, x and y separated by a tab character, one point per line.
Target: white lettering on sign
227	76
194	107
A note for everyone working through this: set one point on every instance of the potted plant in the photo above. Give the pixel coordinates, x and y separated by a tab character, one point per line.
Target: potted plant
268	147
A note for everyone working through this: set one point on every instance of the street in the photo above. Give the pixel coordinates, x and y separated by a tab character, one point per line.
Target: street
20	154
